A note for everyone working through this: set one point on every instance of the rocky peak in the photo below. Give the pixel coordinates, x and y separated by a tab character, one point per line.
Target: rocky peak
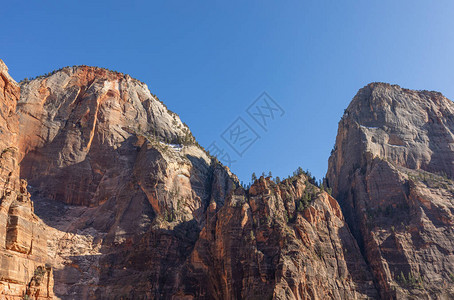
90	97
4	73
81	121
413	129
134	208
390	170
136	181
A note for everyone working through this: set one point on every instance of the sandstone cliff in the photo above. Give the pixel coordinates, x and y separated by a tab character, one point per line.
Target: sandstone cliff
137	182
25	270
278	241
391	170
129	206
135	209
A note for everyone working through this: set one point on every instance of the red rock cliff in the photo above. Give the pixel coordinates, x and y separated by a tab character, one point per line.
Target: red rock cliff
137	210
134	208
25	269
391	170
137	183
279	241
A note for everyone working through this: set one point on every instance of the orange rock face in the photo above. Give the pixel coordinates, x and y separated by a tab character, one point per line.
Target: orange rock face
101	141
150	215
24	266
9	96
266	244
124	204
75	124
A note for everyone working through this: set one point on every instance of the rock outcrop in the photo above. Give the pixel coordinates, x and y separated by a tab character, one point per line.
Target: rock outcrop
391	170
135	209
79	127
137	182
122	202
25	270
277	241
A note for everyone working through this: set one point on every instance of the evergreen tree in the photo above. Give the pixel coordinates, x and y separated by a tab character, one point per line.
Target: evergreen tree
299	171
254	177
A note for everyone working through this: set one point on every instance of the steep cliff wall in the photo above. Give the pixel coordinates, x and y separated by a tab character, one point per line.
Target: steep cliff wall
101	141
137	210
25	270
133	207
391	170
278	241
79	129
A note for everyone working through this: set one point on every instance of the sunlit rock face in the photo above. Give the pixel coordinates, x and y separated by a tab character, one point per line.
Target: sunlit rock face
391	170
136	209
81	130
25	269
136	181
278	241
122	203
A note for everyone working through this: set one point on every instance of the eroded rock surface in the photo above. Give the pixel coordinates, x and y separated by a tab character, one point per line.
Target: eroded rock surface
79	129
135	209
391	170
25	269
101	141
279	241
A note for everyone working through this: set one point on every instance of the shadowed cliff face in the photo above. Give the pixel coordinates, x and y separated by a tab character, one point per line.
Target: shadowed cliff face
391	170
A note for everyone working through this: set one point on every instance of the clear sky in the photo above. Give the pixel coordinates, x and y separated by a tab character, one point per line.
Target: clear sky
210	60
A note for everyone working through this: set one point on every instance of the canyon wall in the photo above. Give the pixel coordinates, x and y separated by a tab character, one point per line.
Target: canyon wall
391	171
106	194
25	269
137	210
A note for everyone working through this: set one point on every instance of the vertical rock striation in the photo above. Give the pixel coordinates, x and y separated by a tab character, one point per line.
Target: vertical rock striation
137	210
119	179
129	206
80	127
24	266
278	241
391	170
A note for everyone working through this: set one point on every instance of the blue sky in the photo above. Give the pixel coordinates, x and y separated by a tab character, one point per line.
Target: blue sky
209	60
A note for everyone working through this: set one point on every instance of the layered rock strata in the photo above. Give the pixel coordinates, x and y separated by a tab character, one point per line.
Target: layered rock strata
391	170
129	206
25	269
136	209
279	241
